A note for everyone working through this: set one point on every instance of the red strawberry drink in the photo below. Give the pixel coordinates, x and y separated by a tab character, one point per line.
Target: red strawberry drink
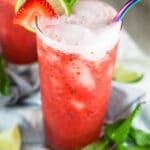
18	45
76	58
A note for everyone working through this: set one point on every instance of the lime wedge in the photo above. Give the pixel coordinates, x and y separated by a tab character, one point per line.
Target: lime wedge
62	6
124	75
57	6
10	139
18	4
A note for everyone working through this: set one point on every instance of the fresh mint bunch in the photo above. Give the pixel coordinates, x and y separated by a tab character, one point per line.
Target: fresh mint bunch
4	82
120	135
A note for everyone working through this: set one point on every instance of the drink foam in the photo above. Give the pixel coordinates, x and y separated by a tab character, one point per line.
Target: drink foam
88	32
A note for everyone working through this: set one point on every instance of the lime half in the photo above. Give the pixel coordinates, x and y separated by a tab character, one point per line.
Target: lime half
10	139
62	6
124	75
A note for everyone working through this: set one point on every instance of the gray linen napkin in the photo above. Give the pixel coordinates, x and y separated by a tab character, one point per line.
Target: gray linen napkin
22	84
122	97
29	117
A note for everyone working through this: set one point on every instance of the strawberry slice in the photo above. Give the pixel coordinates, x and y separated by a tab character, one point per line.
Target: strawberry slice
30	10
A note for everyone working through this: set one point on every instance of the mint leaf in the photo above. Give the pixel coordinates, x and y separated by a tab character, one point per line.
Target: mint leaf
68	5
140	137
101	144
119	130
123	147
4	83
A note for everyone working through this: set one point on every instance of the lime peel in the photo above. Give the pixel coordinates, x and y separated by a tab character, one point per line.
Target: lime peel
10	139
124	75
57	6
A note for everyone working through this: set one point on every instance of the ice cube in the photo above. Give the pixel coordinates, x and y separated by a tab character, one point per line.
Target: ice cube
77	104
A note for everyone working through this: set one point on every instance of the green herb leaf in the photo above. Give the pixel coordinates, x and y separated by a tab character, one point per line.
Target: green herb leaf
123	147
4	83
101	144
68	5
140	137
124	75
119	130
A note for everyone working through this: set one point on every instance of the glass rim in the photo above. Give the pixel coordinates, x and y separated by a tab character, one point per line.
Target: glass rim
42	35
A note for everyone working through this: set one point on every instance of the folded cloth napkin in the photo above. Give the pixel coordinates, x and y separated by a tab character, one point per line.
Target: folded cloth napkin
29	117
23	83
122	97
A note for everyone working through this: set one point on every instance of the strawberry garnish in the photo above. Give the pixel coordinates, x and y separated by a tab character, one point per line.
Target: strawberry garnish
30	10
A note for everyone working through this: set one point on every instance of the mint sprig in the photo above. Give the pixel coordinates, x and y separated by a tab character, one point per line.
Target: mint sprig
140	137
120	135
68	5
4	82
119	130
101	144
131	147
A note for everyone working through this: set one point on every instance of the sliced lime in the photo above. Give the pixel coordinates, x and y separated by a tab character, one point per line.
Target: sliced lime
10	139
124	75
57	6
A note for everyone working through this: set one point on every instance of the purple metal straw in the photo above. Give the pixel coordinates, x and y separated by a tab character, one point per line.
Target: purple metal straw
127	6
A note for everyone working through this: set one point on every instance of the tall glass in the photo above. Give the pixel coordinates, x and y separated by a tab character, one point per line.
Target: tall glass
76	72
18	45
